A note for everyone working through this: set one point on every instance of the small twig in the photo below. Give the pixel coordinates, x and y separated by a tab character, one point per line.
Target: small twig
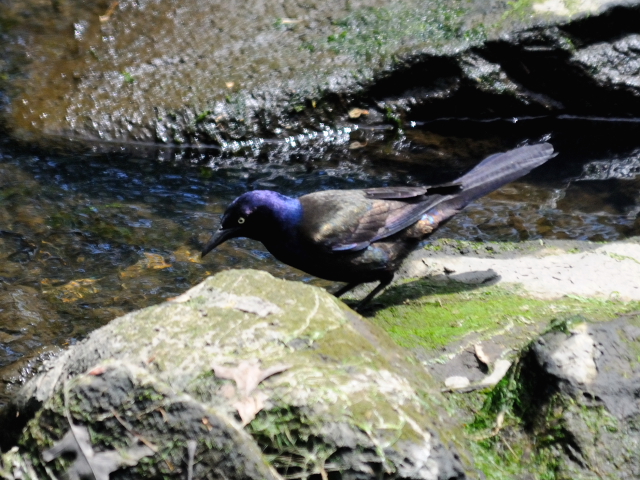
109	12
129	428
81	445
191	451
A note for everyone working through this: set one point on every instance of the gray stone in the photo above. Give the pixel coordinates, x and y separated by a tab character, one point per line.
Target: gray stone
223	73
348	403
591	378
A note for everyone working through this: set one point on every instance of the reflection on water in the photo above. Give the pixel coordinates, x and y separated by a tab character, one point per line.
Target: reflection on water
86	238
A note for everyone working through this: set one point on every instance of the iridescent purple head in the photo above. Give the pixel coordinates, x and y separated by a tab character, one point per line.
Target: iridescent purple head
255	215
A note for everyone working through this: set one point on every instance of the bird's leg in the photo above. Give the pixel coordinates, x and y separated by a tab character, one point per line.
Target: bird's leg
383	284
345	289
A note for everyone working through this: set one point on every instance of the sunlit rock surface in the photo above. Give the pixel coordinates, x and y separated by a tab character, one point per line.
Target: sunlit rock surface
586	379
214	72
170	387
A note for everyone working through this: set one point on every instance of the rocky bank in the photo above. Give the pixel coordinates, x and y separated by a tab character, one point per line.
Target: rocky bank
218	73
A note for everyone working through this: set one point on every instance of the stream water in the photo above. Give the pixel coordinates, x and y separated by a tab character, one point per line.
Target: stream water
87	237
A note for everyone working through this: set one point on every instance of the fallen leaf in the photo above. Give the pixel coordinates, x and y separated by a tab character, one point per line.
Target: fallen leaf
230	84
205	422
89	464
249	407
109	12
247	374
500	369
97	371
184	254
357	112
481	356
73	290
228	390
356	145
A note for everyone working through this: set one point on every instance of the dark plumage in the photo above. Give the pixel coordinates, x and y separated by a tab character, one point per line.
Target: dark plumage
358	236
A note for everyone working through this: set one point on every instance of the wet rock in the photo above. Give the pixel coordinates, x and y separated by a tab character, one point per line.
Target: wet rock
219	74
27	322
184	376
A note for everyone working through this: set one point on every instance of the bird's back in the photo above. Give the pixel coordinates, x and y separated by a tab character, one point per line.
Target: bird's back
342	220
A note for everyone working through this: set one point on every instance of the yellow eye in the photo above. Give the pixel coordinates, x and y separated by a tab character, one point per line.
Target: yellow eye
241	220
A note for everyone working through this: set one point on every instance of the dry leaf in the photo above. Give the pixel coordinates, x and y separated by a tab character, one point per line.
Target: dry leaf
205	422
249	407
228	390
184	254
247	374
500	369
481	356
97	371
357	112
230	84
89	464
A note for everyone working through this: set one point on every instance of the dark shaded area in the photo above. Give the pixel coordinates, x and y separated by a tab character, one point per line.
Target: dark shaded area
583	67
416	289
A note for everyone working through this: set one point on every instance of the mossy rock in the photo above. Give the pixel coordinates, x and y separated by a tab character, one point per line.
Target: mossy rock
567	409
347	400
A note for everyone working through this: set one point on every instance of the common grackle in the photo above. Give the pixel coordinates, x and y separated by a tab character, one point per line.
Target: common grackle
358	236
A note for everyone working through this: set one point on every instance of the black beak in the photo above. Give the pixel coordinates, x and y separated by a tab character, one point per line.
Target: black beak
220	236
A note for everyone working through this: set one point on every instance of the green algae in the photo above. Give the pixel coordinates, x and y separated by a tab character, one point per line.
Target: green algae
428	315
384	33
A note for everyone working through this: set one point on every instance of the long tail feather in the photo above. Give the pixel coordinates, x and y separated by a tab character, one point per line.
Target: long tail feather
490	174
499	169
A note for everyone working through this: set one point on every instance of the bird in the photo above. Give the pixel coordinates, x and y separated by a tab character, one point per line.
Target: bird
362	236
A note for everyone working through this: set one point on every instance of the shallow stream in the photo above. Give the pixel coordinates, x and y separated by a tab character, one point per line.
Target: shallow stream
86	237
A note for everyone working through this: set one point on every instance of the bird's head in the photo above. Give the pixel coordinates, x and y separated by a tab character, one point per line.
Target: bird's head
253	215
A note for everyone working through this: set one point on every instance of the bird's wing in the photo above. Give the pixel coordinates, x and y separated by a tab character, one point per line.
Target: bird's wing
348	220
394	193
397	193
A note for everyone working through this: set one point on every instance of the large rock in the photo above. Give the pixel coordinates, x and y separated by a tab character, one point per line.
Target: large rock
217	72
569	407
165	391
589	382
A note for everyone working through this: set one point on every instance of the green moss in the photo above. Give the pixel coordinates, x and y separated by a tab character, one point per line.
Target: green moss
430	315
285	436
202	116
524	427
128	78
380	33
519	9
620	258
